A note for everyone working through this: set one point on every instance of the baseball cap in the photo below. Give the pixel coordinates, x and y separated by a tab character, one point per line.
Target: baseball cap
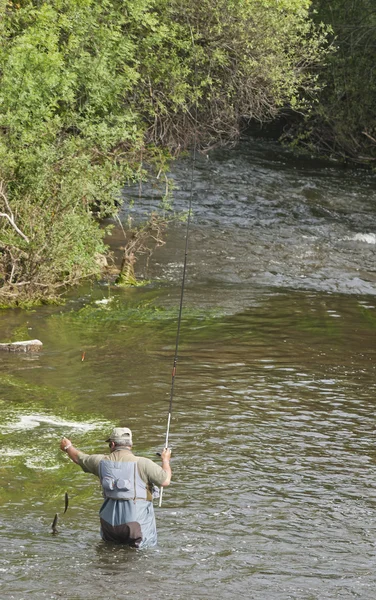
120	434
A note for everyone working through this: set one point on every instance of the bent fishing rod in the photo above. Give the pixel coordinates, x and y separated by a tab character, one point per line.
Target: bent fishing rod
180	310
185	259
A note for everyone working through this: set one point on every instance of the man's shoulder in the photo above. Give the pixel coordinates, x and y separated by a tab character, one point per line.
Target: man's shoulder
143	461
146	463
150	471
94	457
90	462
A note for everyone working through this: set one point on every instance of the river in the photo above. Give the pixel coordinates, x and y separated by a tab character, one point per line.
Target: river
273	421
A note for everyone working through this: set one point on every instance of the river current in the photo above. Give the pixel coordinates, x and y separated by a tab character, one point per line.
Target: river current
273	423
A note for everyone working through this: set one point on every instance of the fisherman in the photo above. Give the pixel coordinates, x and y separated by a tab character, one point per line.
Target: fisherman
129	485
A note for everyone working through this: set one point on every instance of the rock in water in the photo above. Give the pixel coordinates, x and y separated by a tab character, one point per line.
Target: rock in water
27	346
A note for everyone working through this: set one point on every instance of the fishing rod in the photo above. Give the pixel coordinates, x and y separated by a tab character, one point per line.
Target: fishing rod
181	303
185	258
179	317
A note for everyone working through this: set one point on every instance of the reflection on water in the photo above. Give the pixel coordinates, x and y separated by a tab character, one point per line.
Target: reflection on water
273	427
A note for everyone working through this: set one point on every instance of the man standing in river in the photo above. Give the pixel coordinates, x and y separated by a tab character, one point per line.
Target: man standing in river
127	514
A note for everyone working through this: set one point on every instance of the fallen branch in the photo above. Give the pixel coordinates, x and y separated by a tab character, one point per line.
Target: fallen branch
369	136
10	216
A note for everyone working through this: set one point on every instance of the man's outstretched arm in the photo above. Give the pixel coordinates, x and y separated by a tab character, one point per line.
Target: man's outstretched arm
67	447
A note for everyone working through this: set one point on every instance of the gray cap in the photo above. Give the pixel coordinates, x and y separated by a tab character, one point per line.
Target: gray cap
120	434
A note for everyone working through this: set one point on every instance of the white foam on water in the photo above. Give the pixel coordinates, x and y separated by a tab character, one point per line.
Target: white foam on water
35	420
369	238
38	460
10	452
40	463
103	301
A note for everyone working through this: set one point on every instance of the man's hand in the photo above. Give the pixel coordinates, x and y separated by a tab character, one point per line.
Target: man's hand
65	444
166	454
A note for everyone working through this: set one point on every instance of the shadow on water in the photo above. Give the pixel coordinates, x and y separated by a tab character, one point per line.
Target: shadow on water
273	490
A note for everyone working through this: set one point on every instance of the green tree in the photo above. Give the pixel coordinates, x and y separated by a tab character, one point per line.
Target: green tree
95	94
343	121
214	62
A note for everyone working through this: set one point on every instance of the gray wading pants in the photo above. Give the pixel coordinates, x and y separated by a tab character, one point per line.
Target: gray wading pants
128	522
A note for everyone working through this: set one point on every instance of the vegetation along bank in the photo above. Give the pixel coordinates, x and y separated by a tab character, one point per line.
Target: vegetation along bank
95	95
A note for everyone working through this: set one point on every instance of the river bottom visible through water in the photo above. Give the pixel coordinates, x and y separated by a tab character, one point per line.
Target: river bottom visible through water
273	493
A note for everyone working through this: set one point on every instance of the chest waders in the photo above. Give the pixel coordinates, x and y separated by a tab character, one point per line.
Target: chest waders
121	481
127	514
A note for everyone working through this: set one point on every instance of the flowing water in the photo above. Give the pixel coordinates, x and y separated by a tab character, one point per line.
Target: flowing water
273	425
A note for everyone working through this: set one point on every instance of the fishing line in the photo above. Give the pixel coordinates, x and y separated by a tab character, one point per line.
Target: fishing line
185	264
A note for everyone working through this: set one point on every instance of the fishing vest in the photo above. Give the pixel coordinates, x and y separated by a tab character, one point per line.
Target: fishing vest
121	481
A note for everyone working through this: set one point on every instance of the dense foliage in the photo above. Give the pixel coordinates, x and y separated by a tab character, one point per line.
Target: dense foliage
343	122
91	91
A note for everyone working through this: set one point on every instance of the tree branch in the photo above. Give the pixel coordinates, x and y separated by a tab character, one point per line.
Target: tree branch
10	216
